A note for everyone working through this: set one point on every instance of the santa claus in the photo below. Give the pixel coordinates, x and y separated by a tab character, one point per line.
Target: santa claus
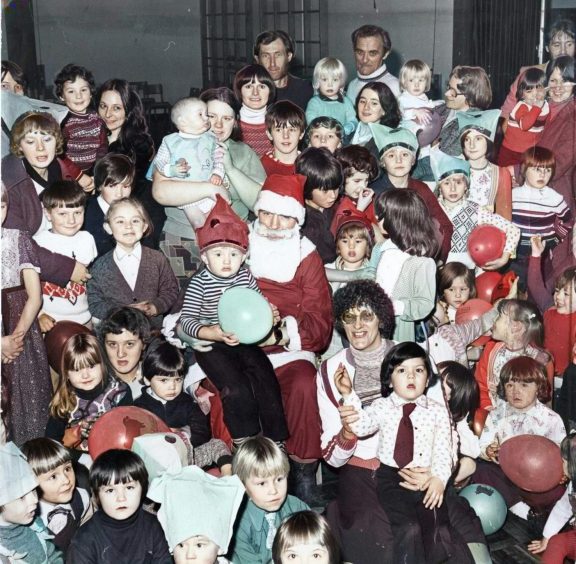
290	273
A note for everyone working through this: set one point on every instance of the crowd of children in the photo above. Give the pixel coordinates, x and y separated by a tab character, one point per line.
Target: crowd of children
97	314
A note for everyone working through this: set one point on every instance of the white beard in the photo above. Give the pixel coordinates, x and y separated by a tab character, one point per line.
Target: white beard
274	259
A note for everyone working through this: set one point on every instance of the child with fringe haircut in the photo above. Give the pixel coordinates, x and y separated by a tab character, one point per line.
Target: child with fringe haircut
84	131
324	132
63	506
121	529
285	127
263	469
329	81
164	368
64	205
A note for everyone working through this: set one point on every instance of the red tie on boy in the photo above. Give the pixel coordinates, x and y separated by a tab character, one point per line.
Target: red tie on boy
404	448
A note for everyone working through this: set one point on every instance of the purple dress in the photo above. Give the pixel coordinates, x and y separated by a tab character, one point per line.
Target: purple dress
29	387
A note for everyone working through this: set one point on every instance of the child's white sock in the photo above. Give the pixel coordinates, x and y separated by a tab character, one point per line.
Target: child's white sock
520	509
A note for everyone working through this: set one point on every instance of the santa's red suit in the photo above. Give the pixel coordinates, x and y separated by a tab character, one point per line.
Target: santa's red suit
305	304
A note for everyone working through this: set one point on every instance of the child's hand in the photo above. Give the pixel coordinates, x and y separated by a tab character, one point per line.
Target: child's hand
276	318
216	180
366	273
46	322
87	183
434	493
342	380
497	263
422	116
537	245
538	546
226	470
147	308
80	274
492	450
364	199
12	346
181	168
348	415
72	436
216	333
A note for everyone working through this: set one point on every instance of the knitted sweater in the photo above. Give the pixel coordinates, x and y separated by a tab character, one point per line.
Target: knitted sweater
525	126
85	137
341	109
155	283
255	136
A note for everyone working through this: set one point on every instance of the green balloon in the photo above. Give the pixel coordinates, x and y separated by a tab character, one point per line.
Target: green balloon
488	504
246	313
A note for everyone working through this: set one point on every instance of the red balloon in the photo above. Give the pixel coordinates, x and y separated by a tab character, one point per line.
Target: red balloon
486	283
120	426
532	462
502	289
472	309
57	337
486	243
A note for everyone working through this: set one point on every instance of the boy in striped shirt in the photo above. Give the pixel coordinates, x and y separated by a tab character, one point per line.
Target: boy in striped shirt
244	376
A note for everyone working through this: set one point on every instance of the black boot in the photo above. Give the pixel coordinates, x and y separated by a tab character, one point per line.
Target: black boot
302	481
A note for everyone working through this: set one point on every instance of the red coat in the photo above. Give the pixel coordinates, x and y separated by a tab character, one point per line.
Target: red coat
306	298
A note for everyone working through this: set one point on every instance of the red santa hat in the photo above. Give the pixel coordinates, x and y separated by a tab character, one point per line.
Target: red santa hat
222	227
283	195
348	213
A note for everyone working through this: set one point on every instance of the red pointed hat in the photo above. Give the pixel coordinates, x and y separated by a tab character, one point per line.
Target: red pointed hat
348	213
222	227
283	195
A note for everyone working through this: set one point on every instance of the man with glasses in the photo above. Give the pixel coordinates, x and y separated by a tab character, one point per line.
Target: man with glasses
468	90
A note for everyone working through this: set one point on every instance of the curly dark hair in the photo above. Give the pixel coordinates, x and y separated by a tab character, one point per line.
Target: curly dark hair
69	74
364	293
397	355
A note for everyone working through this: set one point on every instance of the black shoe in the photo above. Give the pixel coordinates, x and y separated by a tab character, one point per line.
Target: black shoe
302	481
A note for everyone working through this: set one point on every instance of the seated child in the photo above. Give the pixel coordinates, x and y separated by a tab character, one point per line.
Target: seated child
251	401
321	191
305	537
164	368
414	431
555	545
113	180
519	411
85	391
537	209
263	469
192	153
453	185
131	274
359	168
197	513
64	204
63	506
121	529
416	108
527	119
23	536
329	81
324	132
84	132
285	126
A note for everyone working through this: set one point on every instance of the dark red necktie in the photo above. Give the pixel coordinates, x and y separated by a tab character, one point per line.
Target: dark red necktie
404	448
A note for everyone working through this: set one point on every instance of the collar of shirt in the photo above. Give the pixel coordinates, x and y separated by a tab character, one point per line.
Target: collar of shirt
104	205
397	401
121	254
339	98
151	393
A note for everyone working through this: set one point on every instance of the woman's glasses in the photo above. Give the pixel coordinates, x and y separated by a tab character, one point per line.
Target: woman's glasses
365	316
